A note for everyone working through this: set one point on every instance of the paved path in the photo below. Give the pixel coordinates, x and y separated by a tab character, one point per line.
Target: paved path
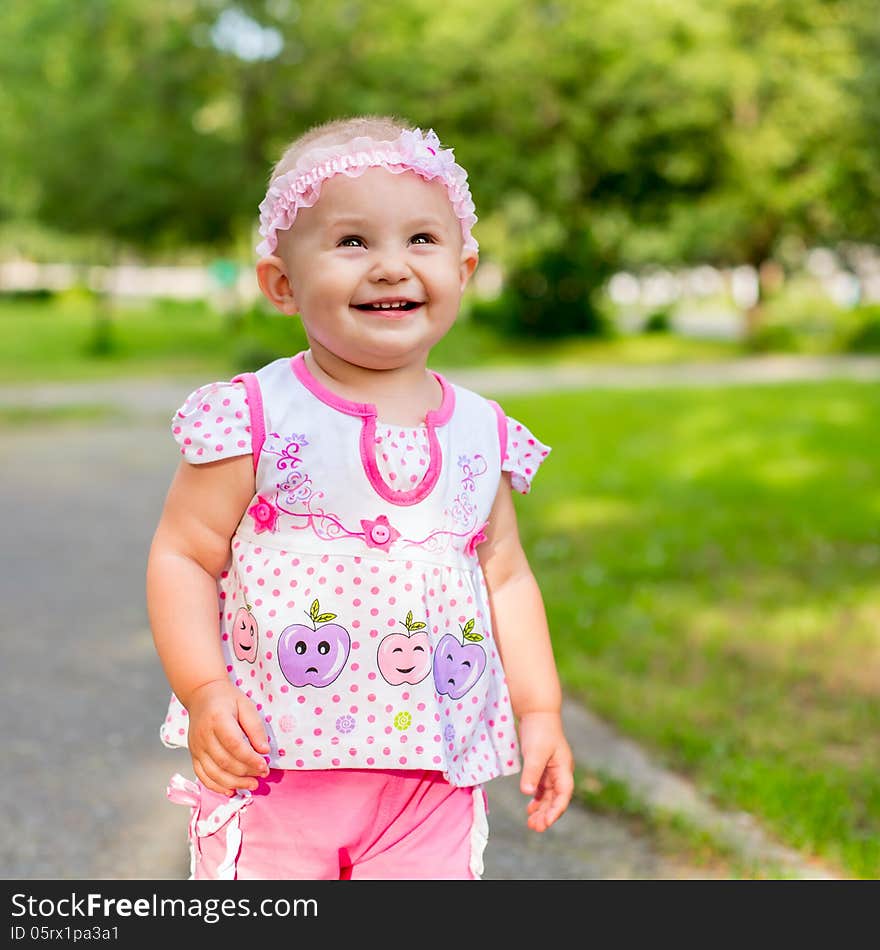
84	774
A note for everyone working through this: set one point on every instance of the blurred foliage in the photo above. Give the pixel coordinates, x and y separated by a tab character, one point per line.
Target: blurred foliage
597	136
863	334
799	318
658	321
552	294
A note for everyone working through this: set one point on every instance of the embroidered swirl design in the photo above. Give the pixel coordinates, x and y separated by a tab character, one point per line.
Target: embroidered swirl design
287	454
297	488
463	512
299	498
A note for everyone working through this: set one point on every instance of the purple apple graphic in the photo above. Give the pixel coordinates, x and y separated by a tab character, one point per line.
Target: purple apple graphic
405	657
313	655
457	666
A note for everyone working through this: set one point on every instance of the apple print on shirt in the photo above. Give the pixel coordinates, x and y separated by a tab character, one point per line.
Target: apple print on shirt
245	635
406	657
313	655
457	666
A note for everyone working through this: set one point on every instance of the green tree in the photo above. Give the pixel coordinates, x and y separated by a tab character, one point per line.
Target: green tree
596	135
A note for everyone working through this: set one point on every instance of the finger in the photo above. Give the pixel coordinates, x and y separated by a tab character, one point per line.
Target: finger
238	755
208	781
543	817
538	821
225	772
224	780
546	808
533	770
555	803
252	724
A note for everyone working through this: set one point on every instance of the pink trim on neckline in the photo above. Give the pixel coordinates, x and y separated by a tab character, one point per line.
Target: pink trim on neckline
434	417
368	413
397	496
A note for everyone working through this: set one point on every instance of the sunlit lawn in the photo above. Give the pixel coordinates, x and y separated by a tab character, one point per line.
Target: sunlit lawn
710	560
55	339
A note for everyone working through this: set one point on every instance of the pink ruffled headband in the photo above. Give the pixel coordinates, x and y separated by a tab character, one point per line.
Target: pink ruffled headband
411	151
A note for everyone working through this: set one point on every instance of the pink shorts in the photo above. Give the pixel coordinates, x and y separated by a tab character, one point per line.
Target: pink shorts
367	824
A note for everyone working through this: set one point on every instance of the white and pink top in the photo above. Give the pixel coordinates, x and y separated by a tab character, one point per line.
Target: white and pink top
354	611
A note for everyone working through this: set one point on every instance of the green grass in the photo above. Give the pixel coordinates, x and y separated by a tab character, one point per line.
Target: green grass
672	834
56	339
74	336
28	416
710	560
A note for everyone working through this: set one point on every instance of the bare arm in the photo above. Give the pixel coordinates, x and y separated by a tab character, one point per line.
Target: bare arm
190	549
523	638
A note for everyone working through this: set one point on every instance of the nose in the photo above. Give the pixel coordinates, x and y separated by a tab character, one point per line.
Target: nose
390	266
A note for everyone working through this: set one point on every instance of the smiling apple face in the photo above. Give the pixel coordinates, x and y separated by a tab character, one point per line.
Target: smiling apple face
245	635
457	666
404	658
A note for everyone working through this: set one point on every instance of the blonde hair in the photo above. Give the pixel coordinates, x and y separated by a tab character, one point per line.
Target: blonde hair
338	132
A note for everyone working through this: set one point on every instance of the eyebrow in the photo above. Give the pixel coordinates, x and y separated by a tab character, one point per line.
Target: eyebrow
346	220
358	221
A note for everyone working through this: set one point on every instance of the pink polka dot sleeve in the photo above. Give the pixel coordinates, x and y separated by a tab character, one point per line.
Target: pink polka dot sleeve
523	456
214	423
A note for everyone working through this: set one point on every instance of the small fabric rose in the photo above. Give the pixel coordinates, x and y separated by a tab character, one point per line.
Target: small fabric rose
478	537
265	515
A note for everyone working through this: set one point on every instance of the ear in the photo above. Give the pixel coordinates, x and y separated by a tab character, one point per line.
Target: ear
467	267
275	284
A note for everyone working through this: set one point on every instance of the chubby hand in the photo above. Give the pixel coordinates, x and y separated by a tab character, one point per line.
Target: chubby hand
548	768
227	739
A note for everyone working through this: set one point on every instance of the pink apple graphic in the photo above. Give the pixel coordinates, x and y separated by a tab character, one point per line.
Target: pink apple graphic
457	666
313	655
405	657
245	635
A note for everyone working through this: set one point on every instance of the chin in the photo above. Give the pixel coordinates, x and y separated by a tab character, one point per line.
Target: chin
388	361
390	355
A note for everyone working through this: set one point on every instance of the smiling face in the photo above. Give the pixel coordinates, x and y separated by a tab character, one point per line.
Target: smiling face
457	666
245	635
376	268
404	658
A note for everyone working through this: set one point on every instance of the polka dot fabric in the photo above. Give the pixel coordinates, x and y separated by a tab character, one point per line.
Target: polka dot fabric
353	611
523	455
213	423
402	454
371	715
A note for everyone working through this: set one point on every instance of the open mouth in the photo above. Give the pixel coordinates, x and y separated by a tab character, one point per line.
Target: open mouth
395	306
